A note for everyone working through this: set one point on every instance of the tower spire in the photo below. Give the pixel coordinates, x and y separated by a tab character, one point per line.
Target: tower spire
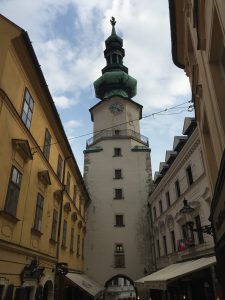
115	80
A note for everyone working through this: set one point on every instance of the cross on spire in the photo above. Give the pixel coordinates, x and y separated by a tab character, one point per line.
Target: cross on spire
113	23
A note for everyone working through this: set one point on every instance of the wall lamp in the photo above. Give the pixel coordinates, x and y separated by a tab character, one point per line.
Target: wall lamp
187	209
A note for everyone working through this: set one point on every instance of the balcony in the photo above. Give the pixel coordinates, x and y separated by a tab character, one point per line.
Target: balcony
117	134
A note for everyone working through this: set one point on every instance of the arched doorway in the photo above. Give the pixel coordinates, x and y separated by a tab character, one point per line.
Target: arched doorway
120	287
48	292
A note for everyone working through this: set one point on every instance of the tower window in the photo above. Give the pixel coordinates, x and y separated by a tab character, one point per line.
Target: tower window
118	174
119	257
117	152
119	220
118	194
114	58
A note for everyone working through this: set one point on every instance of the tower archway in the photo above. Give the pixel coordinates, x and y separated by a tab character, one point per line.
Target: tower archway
120	287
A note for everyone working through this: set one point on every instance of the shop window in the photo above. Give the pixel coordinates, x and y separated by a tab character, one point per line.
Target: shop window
59	167
39	212
13	191
27	111
47	144
54	225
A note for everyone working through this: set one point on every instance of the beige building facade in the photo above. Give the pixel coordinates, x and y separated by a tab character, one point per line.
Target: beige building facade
177	236
198	38
43	199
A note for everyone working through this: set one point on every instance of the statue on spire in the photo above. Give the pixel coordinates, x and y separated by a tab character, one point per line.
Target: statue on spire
113	23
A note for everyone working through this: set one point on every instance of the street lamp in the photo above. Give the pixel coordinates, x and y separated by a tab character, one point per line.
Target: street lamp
187	209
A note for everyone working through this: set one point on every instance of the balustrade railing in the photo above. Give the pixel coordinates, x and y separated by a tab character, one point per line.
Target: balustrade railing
115	134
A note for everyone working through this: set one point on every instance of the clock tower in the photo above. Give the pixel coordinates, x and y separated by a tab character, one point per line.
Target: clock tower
117	172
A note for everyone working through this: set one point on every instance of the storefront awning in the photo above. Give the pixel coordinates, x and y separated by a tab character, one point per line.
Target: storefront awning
159	280
86	283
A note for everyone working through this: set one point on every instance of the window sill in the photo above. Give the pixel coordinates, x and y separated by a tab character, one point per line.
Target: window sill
52	241
116	178
119	225
119	267
118	198
13	219
117	155
36	232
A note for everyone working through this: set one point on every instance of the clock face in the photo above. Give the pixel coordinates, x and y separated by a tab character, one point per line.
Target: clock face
116	108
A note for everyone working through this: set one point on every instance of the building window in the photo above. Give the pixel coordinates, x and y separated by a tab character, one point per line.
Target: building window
168	199
117	152
82	248
119	256
118	174
13	191
47	144
117	132
119	220
64	233
165	245
68	179
160	207
173	240
118	194
189	175
54	225
74	194
72	240
39	212
188	234
59	167
158	248
154	213
177	188
78	245
28	106
199	233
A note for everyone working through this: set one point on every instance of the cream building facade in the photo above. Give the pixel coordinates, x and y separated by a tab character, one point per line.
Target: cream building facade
181	177
198	39
117	172
43	199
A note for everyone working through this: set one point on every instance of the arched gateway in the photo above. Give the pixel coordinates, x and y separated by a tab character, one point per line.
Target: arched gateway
120	287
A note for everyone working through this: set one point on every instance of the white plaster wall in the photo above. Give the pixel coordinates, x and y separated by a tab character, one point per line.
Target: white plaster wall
103	118
101	234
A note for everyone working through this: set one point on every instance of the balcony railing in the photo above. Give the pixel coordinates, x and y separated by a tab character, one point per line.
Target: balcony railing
116	134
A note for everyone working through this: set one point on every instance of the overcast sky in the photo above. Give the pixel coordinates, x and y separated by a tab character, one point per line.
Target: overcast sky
68	38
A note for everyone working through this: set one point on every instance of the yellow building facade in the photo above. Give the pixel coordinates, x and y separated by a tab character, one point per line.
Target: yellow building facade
43	198
198	47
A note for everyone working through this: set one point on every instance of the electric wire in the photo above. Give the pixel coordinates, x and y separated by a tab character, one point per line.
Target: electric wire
160	112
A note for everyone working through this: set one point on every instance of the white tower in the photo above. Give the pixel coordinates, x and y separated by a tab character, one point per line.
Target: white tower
117	172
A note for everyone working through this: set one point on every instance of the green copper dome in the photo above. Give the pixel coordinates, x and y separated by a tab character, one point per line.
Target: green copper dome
115	80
